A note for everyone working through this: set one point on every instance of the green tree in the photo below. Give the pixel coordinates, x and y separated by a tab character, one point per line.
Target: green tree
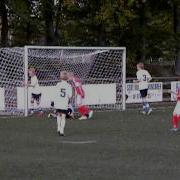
4	22
48	16
176	23
25	22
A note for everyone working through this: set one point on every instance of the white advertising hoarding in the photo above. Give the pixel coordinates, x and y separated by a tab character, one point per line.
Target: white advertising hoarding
95	94
2	100
174	86
155	92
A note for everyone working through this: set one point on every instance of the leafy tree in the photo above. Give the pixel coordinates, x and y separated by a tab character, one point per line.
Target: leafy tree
147	28
176	22
4	22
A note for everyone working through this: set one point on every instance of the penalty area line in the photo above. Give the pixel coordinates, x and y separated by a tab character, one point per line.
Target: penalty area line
79	142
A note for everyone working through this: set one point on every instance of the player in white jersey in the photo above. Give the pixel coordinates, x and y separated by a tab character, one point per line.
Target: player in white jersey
36	93
63	93
143	78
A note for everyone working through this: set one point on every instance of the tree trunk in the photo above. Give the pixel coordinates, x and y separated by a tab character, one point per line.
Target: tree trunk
48	17
58	18
4	21
142	21
101	36
177	36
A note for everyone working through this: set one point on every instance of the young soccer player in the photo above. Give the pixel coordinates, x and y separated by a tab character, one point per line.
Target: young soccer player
36	93
143	78
63	94
84	110
176	113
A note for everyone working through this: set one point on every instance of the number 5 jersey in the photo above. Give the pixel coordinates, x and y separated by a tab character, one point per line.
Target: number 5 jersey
63	92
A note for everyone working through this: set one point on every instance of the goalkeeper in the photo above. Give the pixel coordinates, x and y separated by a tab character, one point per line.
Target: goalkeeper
36	93
84	110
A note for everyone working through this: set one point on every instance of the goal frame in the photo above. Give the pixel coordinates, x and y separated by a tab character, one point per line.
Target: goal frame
73	48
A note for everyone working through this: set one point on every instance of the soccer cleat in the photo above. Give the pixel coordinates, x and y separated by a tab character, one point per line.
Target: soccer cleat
49	115
60	134
142	112
174	129
149	111
90	114
83	118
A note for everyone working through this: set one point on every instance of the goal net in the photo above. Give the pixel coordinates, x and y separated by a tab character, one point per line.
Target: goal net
101	70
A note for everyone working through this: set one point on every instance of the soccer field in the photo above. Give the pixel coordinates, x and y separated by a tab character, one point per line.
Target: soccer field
113	145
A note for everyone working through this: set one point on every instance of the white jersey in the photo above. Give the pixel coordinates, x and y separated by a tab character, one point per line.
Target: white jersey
62	94
144	77
35	85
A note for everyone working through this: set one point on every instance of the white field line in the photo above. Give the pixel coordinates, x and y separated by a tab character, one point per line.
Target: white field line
79	142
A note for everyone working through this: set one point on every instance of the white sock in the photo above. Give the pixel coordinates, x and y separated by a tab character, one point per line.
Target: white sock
58	123
63	122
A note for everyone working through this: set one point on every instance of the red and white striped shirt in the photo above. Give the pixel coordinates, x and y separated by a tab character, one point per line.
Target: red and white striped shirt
77	85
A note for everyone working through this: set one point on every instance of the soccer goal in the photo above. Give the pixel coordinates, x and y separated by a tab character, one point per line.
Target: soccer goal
102	71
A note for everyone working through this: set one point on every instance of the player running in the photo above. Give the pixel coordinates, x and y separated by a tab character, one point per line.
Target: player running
176	112
84	110
143	78
63	93
36	93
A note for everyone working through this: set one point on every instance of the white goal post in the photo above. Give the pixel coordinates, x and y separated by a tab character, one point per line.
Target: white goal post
101	69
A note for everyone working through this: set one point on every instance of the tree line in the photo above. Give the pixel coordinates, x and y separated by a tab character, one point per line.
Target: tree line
147	28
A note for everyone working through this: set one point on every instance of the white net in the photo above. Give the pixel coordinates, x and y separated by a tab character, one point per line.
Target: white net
101	71
11	77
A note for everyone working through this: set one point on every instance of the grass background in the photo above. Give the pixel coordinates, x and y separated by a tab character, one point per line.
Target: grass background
129	146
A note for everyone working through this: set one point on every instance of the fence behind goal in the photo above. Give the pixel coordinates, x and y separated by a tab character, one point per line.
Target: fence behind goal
101	69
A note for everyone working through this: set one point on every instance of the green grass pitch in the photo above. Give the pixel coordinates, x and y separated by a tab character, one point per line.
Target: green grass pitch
122	146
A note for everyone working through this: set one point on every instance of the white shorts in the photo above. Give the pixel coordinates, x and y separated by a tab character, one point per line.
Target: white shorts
79	100
177	109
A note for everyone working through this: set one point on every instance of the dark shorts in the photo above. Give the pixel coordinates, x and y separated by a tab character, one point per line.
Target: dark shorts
36	96
144	93
69	112
63	111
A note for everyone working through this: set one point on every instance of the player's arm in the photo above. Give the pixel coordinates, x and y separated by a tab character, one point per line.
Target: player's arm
33	83
149	77
80	91
70	89
138	78
70	93
54	96
177	94
136	81
172	92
